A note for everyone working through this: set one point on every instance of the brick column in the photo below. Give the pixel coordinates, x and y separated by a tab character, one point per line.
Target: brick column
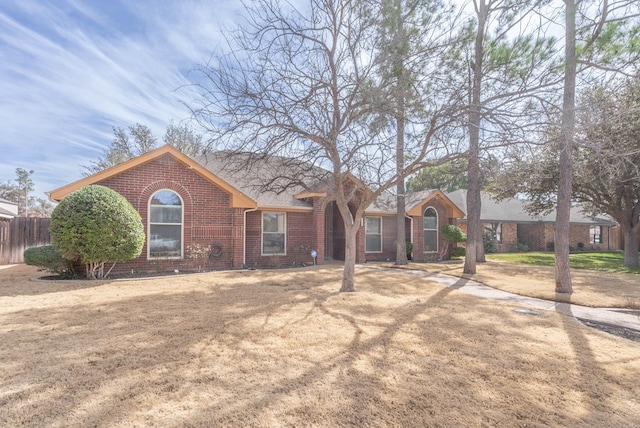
238	238
360	237
319	234
418	240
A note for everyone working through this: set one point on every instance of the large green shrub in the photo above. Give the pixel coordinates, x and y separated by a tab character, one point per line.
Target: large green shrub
48	259
96	225
452	235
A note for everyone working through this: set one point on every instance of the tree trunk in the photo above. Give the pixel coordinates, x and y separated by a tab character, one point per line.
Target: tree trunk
631	247
480	257
401	246
473	170
348	275
563	210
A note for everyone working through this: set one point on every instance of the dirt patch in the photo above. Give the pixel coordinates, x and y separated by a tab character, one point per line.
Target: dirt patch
284	348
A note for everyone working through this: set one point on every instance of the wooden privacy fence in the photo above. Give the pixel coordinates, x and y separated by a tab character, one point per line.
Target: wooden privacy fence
19	234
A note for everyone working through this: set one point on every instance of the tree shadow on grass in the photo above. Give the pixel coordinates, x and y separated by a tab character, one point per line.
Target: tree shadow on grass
250	354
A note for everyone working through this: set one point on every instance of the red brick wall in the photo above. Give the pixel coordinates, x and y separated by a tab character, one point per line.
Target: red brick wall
509	235
537	236
208	218
418	234
299	241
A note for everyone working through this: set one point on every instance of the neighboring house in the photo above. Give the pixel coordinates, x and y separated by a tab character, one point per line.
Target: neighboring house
509	223
8	210
186	203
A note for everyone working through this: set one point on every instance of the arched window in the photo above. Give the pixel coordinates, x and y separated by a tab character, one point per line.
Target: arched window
430	227
165	225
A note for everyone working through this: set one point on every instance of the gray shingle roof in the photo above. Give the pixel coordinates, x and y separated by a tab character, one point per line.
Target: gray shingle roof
512	210
252	177
387	202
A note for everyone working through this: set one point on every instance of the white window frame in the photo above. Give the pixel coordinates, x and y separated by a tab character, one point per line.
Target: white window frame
262	233
366	232
592	236
149	223
435	230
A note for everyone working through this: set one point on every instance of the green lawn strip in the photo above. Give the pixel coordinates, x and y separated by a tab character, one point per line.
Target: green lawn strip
612	261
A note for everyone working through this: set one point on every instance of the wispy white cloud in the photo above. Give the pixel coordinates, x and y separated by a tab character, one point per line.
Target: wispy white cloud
72	70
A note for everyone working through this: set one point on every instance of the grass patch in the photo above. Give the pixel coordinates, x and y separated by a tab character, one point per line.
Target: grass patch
284	348
611	261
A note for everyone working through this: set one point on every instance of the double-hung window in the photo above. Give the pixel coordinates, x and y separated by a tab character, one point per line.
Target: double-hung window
274	233
595	233
430	229
165	225
373	235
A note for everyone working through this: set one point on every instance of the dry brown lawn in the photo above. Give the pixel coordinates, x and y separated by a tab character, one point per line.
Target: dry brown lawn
591	288
284	348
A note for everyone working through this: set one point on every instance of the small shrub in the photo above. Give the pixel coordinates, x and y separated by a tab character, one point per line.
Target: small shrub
49	260
409	247
459	252
551	246
489	242
580	246
519	247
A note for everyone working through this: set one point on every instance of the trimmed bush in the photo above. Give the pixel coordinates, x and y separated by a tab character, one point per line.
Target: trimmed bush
96	225
459	252
453	234
48	259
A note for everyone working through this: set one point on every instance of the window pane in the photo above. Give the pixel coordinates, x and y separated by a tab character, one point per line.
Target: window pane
430	219
273	222
165	240
430	241
373	225
273	243
373	243
166	214
166	197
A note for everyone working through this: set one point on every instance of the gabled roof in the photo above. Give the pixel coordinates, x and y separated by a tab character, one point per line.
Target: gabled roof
513	210
414	203
238	198
252	175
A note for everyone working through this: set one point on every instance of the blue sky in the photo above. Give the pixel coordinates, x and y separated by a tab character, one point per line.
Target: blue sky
71	70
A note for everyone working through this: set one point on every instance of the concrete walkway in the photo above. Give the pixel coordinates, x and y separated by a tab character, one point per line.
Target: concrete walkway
617	317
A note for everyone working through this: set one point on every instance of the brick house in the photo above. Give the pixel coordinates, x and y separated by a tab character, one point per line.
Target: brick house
510	224
187	204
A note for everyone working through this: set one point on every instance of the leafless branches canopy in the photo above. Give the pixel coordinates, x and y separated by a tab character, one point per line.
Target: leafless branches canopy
304	83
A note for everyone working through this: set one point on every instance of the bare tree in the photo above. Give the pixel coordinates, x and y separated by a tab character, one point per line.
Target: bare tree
605	17
123	148
299	82
510	67
185	139
140	140
605	162
404	47
607	158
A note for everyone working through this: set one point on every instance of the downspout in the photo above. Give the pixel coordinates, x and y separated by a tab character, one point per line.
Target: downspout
410	231
244	236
